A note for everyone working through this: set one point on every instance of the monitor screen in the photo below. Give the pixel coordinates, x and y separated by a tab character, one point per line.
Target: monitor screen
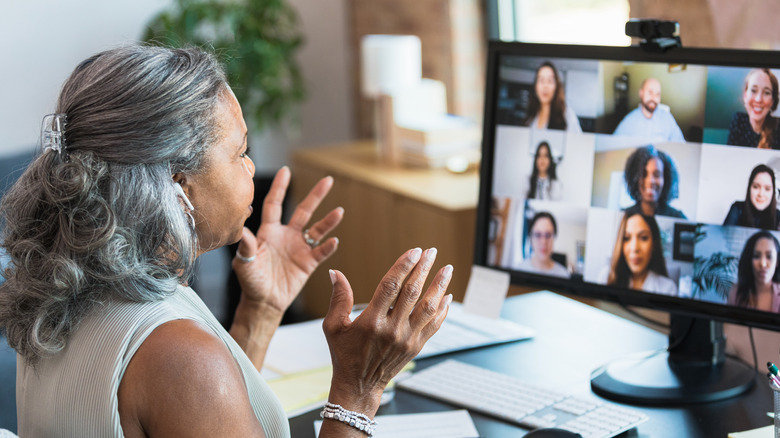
643	178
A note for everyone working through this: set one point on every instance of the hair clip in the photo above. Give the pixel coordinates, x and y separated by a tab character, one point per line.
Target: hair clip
52	132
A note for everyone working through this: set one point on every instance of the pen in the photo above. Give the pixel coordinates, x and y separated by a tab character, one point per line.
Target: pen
773	379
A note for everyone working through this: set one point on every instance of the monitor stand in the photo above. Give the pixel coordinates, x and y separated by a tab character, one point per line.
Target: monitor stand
694	369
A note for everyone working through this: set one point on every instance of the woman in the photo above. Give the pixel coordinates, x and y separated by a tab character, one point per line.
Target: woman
544	183
547	108
638	259
541	232
759	209
145	167
651	180
758	276
756	127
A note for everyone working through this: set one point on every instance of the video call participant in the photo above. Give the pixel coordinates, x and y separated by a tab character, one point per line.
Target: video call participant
651	179
757	127
758	276
544	183
547	108
651	119
759	209
638	259
541	232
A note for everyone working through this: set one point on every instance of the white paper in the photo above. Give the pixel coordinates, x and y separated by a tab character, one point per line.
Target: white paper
297	347
486	291
447	424
462	330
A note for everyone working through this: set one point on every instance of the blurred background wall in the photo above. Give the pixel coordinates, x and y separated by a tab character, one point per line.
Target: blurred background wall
41	41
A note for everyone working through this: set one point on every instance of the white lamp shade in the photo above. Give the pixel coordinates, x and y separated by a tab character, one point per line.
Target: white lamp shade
390	63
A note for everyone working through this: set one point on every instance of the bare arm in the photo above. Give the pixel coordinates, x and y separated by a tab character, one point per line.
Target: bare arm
182	382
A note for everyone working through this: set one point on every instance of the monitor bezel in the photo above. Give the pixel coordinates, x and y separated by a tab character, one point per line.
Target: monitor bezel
674	305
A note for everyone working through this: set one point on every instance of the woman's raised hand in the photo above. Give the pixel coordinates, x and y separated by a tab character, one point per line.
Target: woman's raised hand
393	328
281	260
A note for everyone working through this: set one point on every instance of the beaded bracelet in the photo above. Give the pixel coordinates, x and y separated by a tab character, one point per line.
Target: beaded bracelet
355	419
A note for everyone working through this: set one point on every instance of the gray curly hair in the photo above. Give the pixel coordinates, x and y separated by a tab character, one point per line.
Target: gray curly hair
102	220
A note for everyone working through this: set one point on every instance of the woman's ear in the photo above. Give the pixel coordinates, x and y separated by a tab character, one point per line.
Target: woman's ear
181	186
181	179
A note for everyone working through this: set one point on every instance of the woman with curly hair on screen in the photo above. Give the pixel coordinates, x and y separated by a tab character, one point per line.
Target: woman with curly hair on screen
651	179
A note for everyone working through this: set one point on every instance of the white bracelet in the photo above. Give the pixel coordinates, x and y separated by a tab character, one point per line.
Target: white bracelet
355	419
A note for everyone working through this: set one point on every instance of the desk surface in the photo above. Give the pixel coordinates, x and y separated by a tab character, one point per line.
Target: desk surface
572	340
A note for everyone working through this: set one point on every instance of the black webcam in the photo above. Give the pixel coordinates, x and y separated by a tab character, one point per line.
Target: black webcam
656	35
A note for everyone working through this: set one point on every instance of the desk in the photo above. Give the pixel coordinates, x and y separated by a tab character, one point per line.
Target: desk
387	210
572	340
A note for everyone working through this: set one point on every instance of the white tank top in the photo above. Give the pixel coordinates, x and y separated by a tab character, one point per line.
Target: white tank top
74	393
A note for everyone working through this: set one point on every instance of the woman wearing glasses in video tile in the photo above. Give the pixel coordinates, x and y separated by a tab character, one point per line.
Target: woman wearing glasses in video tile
759	209
638	259
547	108
758	276
541	232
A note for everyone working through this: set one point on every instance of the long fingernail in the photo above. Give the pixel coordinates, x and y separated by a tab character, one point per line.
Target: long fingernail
414	256
430	254
332	274
448	271
448	299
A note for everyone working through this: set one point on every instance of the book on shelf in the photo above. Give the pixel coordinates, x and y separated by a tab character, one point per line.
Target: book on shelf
438	129
471	155
431	141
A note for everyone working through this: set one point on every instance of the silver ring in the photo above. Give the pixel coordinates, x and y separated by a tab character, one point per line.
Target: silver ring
309	241
244	259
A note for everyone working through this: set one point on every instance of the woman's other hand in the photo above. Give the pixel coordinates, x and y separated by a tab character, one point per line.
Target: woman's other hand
283	260
393	328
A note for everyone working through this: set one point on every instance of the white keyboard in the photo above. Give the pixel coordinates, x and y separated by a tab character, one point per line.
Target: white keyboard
528	405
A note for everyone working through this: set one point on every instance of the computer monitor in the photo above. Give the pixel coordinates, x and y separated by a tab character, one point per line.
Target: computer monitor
653	175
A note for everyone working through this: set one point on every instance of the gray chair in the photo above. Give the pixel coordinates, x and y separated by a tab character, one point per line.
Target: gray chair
10	169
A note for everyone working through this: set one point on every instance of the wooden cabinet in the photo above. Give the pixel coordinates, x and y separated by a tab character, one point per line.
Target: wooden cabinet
387	211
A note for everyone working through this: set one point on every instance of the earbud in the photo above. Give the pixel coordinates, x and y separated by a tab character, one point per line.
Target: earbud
180	192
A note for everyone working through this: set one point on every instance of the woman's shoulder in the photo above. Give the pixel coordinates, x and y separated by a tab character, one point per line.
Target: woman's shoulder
183	370
660	284
572	121
732	295
737	207
559	270
735	213
739	118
